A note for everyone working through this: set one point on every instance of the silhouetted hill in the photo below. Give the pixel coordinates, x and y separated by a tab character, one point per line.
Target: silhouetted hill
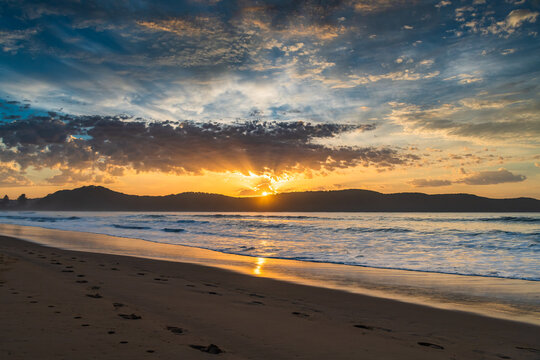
103	199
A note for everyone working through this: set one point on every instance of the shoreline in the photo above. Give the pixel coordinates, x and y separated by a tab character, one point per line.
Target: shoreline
280	258
44	290
501	298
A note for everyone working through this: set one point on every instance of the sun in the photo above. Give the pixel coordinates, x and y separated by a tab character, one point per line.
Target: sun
264	193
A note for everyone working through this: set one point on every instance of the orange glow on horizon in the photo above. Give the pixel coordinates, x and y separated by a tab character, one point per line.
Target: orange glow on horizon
240	184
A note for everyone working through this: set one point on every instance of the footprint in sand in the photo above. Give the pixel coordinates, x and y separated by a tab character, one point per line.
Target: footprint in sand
81	281
211	349
130	316
434	346
299	314
94	296
367	327
175	329
117	305
527	349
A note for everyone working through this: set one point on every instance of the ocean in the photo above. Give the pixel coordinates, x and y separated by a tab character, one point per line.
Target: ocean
504	245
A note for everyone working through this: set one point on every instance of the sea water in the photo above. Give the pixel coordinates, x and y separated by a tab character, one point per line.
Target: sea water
505	245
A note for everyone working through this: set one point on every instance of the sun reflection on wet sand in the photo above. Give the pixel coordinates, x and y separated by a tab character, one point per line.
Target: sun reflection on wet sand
258	266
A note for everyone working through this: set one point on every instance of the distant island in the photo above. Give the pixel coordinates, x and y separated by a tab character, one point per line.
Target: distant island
98	198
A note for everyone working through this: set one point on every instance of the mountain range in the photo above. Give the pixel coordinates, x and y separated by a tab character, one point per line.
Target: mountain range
98	198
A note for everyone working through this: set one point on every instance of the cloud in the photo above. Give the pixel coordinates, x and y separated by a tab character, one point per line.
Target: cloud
302	19
492	177
369	6
519	16
502	117
196	27
10	176
356	80
429	182
514	20
12	41
443	3
427	62
108	145
465	78
508	51
478	178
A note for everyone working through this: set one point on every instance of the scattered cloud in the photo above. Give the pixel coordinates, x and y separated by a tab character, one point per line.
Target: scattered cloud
492	177
465	79
483	117
508	51
11	176
405	75
12	41
429	182
514	20
443	3
499	176
368	6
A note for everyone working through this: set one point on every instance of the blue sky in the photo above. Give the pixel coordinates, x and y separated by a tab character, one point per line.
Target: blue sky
449	87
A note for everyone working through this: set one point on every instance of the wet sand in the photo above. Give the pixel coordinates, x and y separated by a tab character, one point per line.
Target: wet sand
60	304
510	299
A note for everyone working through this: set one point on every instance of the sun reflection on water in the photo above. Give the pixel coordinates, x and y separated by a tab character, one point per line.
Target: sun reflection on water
259	265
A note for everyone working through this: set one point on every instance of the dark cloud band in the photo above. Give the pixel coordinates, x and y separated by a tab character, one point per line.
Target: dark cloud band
110	144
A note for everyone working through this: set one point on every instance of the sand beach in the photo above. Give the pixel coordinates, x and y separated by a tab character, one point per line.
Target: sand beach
60	304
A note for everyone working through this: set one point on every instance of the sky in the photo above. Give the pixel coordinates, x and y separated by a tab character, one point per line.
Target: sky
250	97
